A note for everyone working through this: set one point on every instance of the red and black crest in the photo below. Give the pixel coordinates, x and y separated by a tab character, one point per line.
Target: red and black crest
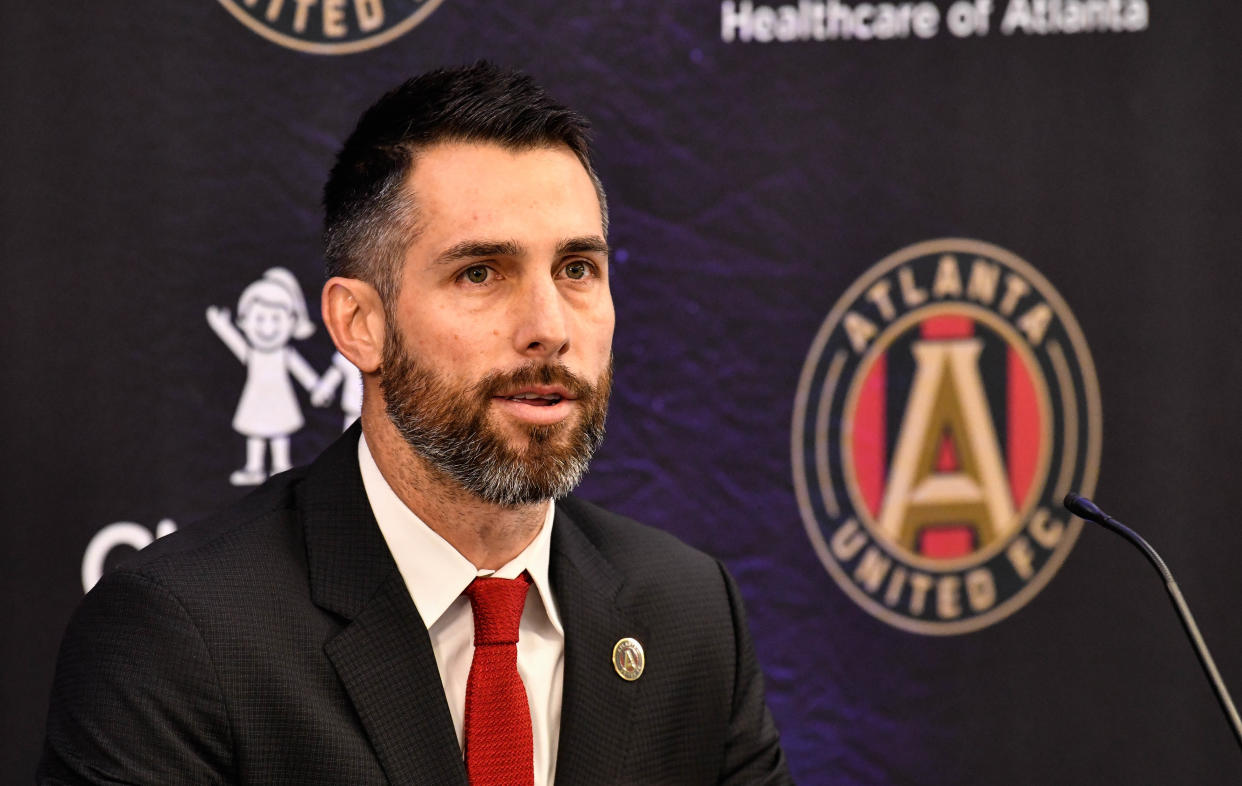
946	405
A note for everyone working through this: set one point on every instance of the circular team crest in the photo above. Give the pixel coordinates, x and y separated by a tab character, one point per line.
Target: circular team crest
947	405
330	27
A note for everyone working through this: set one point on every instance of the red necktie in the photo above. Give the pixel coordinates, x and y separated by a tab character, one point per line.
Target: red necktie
500	748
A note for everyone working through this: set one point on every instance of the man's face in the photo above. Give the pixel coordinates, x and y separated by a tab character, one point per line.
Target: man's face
497	363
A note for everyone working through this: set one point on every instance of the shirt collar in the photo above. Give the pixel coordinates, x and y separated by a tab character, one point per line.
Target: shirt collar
434	572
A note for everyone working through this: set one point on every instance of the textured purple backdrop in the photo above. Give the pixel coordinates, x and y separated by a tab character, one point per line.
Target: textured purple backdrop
159	157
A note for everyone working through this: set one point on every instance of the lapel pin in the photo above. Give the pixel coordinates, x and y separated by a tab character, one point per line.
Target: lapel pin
628	659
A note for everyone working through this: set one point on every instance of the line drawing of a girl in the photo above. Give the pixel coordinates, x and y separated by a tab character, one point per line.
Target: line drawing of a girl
270	312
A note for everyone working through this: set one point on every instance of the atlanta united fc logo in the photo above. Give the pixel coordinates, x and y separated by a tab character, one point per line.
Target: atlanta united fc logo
330	27
947	405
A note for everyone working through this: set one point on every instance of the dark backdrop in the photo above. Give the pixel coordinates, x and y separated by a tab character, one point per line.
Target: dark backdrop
158	157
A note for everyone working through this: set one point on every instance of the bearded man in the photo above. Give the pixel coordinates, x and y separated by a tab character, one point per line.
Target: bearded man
425	604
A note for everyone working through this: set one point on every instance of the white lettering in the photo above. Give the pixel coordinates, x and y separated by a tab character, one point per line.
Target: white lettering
872	569
763	21
1034	323
1042	17
735	20
1022	557
831	20
911	295
121	533
273	10
788	27
948	601
984	278
823	20
1134	18
1015	290
920	583
334	19
980	589
925	20
948	281
969	17
370	14
847	541
301	14
840	21
896	582
860	330
878	294
863	12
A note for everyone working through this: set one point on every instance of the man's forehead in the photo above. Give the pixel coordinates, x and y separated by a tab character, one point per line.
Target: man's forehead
473	193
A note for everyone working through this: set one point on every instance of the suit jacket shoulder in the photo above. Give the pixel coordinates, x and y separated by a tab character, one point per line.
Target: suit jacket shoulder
272	643
637	552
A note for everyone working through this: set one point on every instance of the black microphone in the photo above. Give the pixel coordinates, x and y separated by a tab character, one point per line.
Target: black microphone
1086	509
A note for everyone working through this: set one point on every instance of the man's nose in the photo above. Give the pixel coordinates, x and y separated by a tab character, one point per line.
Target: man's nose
542	327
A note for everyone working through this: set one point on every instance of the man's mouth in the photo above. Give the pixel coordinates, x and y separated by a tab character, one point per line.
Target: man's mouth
537	396
536	399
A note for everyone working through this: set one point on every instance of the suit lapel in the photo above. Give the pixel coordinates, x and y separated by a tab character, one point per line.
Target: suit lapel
385	661
383	655
597	704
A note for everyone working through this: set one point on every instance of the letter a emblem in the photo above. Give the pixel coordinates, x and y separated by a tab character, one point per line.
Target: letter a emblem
947	492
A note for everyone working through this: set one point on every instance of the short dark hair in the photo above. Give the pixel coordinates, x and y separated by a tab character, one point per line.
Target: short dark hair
369	219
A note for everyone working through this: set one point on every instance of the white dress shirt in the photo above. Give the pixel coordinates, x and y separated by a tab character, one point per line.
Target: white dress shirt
436	575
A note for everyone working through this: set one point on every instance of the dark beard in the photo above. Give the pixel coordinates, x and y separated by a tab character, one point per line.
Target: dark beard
449	427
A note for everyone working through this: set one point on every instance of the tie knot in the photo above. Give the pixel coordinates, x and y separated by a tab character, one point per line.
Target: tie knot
497	606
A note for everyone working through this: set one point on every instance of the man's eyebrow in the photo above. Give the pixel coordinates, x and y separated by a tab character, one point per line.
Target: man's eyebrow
473	249
582	245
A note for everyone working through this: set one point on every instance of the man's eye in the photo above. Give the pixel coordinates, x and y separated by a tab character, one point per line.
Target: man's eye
477	274
576	270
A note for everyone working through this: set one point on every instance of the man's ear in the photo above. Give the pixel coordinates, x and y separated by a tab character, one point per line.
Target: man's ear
354	316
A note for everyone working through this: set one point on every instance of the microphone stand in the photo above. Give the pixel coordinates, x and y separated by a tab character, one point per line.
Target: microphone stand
1085	508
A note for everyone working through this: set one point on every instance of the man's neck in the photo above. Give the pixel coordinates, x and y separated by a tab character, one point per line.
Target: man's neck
488	535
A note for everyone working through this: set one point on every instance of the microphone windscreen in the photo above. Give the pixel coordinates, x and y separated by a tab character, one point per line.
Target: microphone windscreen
1083	508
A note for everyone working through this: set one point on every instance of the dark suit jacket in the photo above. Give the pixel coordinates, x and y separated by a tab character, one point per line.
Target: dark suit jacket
276	643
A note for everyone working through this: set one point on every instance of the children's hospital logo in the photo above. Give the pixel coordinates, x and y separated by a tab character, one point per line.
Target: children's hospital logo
947	404
271	315
330	27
